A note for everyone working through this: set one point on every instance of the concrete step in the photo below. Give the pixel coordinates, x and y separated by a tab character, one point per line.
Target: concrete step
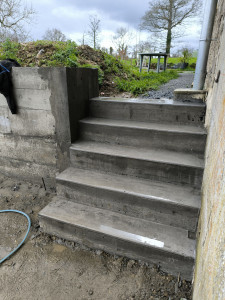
154	201
180	138
165	166
190	95
147	110
121	235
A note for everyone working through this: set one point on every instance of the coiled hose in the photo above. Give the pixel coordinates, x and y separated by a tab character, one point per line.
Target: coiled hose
28	229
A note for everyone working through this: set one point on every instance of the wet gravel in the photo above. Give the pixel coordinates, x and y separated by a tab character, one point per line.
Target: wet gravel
184	80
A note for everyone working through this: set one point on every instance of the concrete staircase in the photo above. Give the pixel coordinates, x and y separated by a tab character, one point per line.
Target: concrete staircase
133	186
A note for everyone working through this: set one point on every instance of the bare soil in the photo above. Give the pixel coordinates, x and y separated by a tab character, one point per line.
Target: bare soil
86	55
48	267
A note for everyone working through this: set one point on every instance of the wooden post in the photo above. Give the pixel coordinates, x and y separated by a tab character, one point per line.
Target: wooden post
149	62
141	61
165	60
158	64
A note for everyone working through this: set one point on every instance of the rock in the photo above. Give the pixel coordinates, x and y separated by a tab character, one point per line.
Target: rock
98	252
16	188
130	264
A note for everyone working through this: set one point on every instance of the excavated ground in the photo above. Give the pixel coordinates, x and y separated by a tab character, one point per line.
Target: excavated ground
51	268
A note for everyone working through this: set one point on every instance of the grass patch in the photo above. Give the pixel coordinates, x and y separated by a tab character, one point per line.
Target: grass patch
174	60
144	81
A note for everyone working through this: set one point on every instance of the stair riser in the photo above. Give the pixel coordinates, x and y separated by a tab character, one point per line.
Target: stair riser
183	142
171	263
130	204
192	115
137	168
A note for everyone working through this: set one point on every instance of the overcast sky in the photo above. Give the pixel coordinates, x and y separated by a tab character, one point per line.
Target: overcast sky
72	18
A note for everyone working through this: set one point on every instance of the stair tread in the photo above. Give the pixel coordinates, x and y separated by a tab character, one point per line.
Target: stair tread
146	126
147	101
168	193
142	232
162	156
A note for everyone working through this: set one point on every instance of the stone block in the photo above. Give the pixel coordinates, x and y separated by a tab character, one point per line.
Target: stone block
189	95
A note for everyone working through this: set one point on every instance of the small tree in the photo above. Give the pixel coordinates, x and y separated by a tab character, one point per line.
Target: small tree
166	15
121	40
13	16
104	49
141	47
186	55
111	50
83	38
54	35
95	28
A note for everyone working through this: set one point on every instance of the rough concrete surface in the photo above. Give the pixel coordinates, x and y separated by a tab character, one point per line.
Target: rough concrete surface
210	261
47	99
50	268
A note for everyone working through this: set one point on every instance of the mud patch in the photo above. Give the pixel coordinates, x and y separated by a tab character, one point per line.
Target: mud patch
51	268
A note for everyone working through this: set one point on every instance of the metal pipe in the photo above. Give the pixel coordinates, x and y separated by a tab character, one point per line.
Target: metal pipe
204	44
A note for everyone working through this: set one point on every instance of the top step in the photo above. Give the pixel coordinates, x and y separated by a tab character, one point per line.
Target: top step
148	110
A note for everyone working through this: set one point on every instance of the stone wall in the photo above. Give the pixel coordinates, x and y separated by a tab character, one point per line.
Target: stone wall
34	143
209	281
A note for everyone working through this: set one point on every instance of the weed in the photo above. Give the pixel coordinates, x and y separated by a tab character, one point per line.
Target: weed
100	72
9	49
145	82
66	55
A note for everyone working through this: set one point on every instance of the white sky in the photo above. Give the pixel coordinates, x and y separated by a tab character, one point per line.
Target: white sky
72	18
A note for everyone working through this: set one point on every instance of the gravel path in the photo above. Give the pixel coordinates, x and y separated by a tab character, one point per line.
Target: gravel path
166	91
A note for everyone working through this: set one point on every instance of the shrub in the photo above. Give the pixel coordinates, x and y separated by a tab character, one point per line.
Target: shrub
66	55
100	72
9	49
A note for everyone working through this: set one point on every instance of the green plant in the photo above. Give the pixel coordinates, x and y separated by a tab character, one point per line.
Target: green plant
100	72
66	55
9	49
186	55
144	82
112	64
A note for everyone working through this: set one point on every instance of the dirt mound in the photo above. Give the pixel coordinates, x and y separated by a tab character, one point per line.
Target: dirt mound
28	52
87	55
45	54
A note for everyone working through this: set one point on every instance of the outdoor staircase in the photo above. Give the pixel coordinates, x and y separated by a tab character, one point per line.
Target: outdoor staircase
134	184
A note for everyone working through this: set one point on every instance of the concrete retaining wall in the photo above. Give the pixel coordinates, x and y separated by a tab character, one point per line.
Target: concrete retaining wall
34	143
209	280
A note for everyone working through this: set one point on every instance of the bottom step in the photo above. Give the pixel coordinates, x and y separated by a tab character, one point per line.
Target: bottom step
123	235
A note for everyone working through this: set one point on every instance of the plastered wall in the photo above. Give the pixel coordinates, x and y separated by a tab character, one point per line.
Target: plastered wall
34	143
209	281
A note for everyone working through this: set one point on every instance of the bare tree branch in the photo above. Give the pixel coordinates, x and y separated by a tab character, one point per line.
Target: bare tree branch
54	34
94	26
121	41
13	16
165	15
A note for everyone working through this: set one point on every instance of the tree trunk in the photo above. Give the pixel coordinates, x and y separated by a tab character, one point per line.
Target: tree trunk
169	29
168	40
94	39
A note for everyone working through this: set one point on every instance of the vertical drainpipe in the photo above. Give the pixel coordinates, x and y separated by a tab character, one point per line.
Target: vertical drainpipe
204	44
